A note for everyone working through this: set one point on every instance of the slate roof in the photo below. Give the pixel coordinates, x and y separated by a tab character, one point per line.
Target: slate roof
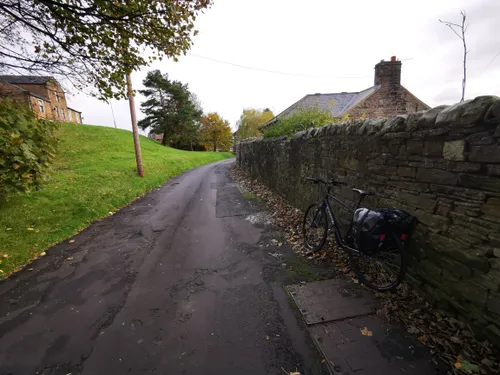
28	92
26	80
337	103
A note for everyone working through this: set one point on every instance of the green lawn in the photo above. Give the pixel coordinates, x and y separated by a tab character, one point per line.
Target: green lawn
94	173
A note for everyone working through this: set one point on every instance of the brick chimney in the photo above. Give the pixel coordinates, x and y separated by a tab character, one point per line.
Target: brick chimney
388	73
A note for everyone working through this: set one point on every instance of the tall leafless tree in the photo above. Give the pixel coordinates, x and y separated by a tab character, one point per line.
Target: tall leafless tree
460	30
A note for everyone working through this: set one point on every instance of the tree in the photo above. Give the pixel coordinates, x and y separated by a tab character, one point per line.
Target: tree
216	132
94	42
170	108
250	122
462	29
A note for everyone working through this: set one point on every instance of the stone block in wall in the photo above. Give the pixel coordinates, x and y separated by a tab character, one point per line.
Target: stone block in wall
430	133
467	112
428	118
433	222
418	201
406	172
485	153
465	236
488	183
433	148
436	176
493	169
414	147
430	272
492	207
480	138
455	268
465	290
492	333
453	192
410	186
494	303
462	167
454	150
490	280
459	252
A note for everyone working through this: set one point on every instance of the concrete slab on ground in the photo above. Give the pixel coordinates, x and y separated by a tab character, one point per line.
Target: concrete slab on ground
330	300
383	349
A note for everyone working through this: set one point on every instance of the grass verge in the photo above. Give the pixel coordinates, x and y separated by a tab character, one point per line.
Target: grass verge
94	174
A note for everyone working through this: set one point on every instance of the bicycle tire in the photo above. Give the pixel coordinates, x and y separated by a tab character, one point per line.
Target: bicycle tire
362	277
320	222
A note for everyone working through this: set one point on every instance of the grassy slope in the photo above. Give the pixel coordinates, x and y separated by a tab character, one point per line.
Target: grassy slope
94	173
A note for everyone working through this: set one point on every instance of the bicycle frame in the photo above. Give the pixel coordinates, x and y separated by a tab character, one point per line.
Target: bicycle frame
338	234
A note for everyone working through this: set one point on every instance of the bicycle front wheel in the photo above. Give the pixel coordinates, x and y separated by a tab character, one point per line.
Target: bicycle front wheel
315	227
383	270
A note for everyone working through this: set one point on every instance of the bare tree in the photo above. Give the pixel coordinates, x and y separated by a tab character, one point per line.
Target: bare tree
460	30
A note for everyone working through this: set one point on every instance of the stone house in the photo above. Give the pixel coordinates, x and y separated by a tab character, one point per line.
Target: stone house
386	98
44	95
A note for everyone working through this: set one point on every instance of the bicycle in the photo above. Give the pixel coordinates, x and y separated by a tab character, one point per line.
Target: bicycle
379	264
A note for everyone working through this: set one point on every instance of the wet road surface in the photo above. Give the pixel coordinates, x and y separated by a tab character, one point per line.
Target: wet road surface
176	283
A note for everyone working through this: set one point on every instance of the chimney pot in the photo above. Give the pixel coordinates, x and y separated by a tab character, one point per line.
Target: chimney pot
393	58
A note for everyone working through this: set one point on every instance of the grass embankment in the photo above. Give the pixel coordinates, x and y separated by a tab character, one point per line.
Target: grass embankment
94	174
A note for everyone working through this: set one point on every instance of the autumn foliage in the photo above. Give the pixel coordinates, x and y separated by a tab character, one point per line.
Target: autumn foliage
216	132
27	147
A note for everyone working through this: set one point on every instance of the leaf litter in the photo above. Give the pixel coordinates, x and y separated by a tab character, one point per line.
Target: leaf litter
448	338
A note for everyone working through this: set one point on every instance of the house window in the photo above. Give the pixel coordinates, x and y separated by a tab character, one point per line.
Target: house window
70	117
41	106
62	113
57	96
56	111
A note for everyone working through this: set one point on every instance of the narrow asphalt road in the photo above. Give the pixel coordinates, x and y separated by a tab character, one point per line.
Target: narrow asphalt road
179	282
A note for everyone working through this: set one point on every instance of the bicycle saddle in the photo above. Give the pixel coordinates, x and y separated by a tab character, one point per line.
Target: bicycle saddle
364	193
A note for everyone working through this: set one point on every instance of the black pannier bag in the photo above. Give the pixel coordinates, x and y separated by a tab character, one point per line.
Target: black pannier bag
372	229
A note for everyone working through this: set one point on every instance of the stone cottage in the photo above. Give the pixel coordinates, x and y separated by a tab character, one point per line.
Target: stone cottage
386	98
44	95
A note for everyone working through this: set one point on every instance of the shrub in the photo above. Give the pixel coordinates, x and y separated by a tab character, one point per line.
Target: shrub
303	119
27	147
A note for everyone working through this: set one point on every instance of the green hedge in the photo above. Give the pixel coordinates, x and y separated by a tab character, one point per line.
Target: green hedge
302	119
27	147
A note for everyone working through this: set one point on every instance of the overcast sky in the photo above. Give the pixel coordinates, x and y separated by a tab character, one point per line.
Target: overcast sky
324	46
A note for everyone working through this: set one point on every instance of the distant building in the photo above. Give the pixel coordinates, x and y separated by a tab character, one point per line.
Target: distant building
44	95
385	99
155	136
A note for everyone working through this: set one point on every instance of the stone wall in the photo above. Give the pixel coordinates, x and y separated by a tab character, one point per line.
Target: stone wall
442	165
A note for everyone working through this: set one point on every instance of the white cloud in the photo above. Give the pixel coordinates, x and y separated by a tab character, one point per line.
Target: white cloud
324	38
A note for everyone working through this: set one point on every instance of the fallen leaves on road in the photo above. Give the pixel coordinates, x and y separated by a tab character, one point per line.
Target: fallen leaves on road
366	332
447	337
71	241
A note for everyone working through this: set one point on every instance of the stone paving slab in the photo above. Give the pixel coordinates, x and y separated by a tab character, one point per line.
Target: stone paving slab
390	350
330	300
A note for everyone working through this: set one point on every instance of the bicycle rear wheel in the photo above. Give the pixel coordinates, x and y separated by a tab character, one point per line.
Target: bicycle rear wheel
383	270
315	227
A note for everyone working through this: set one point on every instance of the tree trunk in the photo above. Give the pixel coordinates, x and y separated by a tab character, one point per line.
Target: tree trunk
215	145
164	140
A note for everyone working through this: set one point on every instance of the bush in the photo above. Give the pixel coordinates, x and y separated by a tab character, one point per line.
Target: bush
27	147
303	119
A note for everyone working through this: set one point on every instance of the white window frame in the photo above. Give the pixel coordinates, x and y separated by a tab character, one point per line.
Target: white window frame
70	117
57	96
41	106
56	111
62	114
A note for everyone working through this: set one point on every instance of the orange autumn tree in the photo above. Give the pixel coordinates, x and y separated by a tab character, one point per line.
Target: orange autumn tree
216	132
